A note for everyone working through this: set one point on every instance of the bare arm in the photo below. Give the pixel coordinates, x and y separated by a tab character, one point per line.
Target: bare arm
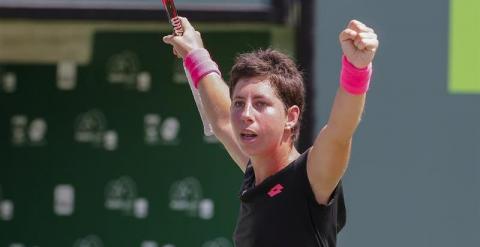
216	98
328	158
213	91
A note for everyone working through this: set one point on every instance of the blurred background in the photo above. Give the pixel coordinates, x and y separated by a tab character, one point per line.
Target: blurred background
101	143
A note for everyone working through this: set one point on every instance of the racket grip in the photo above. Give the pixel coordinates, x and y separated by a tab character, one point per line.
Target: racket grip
207	127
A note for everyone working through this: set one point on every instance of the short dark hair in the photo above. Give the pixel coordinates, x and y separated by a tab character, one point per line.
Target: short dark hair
282	74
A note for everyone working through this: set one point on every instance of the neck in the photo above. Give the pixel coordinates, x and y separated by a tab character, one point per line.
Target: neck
265	165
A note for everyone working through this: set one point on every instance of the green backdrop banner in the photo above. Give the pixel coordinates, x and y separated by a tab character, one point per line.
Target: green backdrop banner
107	148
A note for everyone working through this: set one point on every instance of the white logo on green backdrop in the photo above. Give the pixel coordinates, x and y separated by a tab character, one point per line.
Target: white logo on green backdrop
64	200
6	210
91	127
66	75
19	125
144	81
110	140
28	133
89	241
121	195
186	195
159	132
8	82
125	68
37	131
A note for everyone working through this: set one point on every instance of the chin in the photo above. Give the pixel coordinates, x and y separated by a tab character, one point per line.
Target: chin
255	150
250	151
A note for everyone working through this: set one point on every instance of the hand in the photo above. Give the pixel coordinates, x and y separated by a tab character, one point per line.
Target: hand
359	44
190	40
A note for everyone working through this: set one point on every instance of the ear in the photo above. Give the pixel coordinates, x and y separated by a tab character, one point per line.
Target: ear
292	116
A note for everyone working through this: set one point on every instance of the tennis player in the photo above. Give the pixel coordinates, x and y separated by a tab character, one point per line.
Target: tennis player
286	198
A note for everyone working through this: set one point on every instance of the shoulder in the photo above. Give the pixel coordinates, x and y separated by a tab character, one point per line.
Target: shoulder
302	171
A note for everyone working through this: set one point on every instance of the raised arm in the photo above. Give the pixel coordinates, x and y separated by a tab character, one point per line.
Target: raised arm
329	155
213	91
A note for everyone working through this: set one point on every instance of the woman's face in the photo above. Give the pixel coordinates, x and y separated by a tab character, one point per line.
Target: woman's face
258	116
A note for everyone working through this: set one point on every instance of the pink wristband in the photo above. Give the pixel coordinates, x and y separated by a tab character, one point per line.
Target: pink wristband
354	80
199	64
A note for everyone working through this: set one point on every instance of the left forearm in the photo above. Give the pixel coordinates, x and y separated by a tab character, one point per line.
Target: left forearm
329	156
359	45
345	115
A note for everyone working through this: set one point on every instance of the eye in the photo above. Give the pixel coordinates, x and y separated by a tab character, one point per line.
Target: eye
260	104
238	104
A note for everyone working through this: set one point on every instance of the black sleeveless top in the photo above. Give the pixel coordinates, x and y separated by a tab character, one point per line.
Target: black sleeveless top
282	211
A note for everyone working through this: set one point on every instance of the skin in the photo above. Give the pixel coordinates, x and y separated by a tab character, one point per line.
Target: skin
255	108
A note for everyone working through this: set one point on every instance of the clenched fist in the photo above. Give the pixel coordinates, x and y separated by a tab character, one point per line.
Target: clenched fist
359	43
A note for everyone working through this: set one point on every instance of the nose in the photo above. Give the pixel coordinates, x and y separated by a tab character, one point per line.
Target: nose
247	113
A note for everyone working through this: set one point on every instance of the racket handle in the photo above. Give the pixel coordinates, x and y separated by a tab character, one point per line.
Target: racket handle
207	127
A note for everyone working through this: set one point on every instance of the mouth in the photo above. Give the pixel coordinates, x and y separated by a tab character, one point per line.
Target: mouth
248	136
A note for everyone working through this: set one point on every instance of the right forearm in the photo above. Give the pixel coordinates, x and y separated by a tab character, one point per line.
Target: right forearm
216	100
214	92
204	75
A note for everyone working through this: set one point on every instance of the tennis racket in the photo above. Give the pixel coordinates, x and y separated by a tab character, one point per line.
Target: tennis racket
178	30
